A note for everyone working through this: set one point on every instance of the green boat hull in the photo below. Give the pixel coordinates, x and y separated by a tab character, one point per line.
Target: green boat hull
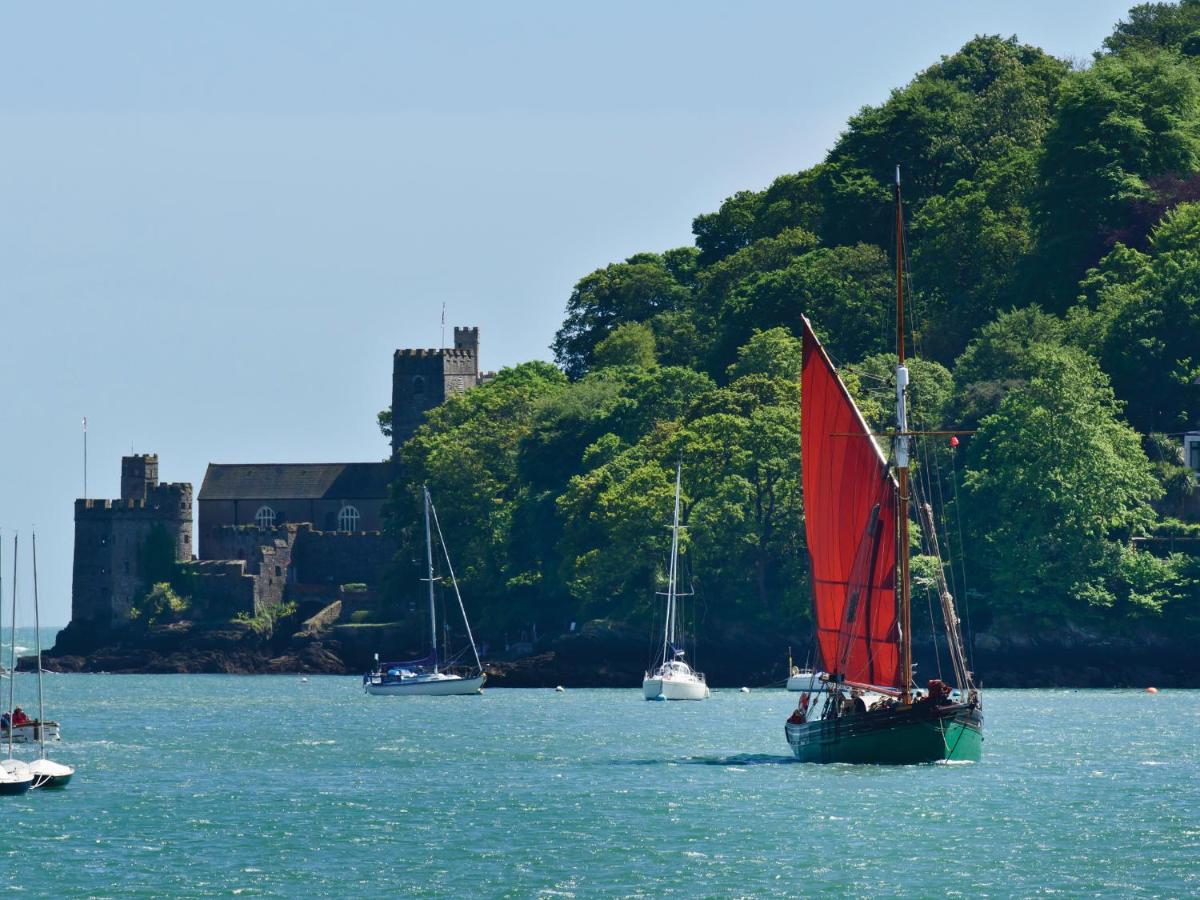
919	734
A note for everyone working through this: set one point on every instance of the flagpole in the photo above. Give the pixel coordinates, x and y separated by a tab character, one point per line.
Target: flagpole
85	493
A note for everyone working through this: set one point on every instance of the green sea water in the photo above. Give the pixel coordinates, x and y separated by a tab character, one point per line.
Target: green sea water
224	785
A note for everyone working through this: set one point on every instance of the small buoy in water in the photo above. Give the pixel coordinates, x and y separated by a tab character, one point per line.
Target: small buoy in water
304	680
744	690
560	689
1151	690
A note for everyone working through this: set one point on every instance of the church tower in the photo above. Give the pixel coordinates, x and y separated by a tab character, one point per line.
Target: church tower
424	379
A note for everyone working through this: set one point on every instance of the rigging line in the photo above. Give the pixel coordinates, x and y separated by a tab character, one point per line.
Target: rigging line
962	549
454	581
937	653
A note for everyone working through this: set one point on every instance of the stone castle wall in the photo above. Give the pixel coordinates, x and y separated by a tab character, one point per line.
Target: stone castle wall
111	537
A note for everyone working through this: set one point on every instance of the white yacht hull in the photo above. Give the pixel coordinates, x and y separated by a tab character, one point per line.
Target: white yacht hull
426	687
673	689
804	681
30	733
48	773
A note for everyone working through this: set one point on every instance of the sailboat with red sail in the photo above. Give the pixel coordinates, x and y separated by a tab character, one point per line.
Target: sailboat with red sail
861	705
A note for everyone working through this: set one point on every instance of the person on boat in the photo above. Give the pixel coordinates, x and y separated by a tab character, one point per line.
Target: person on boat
19	718
800	714
4	721
857	703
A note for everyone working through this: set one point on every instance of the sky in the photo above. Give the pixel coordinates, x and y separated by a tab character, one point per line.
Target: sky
219	219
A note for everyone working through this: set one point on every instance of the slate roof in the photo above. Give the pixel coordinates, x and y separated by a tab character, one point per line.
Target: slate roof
296	481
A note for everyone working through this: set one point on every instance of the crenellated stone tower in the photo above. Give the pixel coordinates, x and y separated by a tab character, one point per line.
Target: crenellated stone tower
111	542
423	379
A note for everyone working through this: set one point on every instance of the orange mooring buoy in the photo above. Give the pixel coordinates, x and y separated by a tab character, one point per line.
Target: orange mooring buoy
1151	690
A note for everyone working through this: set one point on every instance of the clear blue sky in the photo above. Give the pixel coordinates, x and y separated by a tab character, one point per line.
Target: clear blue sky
217	220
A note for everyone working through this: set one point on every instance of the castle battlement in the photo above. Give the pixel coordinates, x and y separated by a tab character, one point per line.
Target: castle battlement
174	497
434	353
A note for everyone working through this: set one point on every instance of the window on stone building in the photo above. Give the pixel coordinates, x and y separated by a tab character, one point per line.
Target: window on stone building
418	385
348	519
265	517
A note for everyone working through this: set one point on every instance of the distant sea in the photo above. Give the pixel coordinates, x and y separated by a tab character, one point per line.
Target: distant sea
210	785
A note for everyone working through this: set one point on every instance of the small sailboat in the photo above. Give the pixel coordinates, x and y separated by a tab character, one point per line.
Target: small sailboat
861	705
670	677
46	772
425	676
15	777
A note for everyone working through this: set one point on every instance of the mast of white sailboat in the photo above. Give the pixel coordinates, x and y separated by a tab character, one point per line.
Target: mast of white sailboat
12	652
37	636
669	637
429	578
901	448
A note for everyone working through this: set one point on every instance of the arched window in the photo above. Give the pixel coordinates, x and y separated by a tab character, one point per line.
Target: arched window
418	384
265	517
348	519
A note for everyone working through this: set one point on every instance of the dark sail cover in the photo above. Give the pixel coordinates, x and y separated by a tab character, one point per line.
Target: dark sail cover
850	523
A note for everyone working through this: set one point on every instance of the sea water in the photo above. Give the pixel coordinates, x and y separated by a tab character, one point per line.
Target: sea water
210	785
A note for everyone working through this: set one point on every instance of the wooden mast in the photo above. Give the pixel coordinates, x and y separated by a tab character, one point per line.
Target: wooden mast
902	463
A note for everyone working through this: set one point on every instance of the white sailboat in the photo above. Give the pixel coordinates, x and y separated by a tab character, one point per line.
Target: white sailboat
671	678
15	777
425	677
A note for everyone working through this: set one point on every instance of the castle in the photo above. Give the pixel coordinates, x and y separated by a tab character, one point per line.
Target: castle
268	533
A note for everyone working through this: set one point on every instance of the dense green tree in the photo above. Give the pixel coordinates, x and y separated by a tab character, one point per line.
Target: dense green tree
1151	25
1118	124
968	247
1056	485
741	466
791	202
974	107
1152	348
774	353
629	344
999	361
632	291
846	291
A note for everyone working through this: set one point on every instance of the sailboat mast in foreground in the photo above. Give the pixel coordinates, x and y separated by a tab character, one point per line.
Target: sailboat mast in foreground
862	707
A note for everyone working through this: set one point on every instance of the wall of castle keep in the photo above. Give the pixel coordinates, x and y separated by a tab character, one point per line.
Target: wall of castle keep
424	379
110	536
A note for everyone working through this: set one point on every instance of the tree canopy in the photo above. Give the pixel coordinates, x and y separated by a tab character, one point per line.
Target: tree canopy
1054	306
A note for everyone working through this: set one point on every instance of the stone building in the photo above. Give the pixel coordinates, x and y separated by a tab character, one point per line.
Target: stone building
267	532
345	497
111	538
423	379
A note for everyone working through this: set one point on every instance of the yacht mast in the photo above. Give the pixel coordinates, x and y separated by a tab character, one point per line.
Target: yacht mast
901	449
12	651
669	637
37	633
429	578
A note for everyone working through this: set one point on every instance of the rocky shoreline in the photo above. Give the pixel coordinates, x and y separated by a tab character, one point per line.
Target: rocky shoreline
602	655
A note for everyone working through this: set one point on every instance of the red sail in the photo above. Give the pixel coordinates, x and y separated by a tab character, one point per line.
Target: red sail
850	523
